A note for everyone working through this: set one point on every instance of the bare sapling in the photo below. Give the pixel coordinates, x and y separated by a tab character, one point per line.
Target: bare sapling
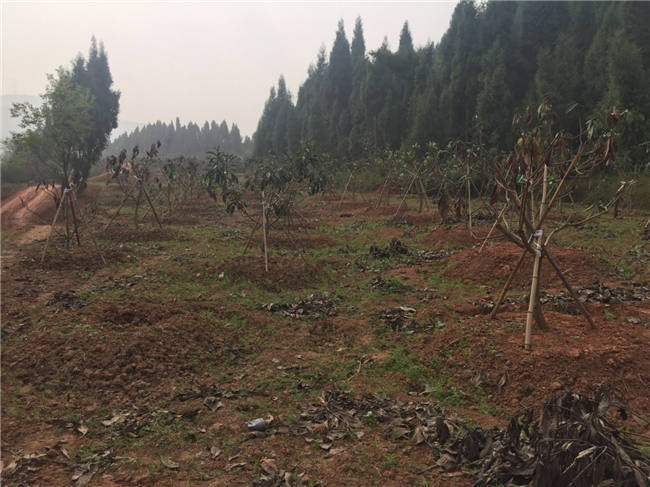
532	180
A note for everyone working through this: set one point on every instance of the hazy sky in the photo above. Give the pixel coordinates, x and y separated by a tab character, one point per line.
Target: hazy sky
199	60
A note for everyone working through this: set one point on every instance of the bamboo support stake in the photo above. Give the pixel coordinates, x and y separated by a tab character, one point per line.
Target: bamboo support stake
493	227
116	213
539	314
404	197
73	201
381	193
56	216
146	195
469	202
537	246
258	223
67	226
137	207
427	203
506	286
345	190
266	255
572	292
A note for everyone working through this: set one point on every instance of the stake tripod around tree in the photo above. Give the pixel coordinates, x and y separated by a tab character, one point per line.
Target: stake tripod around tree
132	177
531	170
68	202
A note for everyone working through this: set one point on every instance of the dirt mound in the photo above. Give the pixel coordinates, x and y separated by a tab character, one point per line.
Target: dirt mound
490	355
85	258
352	205
29	206
496	263
126	349
284	273
458	237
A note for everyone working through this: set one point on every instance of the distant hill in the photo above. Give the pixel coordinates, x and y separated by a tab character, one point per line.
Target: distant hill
10	124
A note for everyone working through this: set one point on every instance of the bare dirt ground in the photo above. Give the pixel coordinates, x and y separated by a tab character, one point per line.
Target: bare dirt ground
145	370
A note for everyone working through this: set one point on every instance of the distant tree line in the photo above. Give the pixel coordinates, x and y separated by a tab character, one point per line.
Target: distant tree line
495	59
184	140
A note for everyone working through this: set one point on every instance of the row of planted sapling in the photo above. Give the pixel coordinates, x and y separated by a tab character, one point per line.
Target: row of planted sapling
539	173
443	178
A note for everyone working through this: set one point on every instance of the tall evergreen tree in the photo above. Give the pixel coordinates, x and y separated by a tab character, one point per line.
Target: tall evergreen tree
94	74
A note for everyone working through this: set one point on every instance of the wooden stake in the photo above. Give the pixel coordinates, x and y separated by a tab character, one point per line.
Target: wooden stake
345	190
116	213
404	198
146	194
381	193
73	201
266	255
56	216
539	314
67	226
258	223
427	204
506	286
493	227
573	294
137	206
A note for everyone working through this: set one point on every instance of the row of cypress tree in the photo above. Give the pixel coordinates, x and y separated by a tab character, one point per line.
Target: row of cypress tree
495	59
188	140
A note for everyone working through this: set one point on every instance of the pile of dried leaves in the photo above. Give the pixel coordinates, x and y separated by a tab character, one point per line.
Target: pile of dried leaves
312	307
22	468
272	476
397	249
573	442
400	318
66	300
598	293
389	285
394	249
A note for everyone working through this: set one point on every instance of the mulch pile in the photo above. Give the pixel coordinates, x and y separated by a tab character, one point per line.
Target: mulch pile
389	285
400	318
397	249
312	307
573	442
600	293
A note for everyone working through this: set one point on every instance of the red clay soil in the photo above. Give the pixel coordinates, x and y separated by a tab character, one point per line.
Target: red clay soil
568	355
459	236
29	206
496	262
284	272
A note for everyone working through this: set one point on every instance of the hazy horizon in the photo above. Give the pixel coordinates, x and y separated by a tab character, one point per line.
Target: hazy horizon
198	61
